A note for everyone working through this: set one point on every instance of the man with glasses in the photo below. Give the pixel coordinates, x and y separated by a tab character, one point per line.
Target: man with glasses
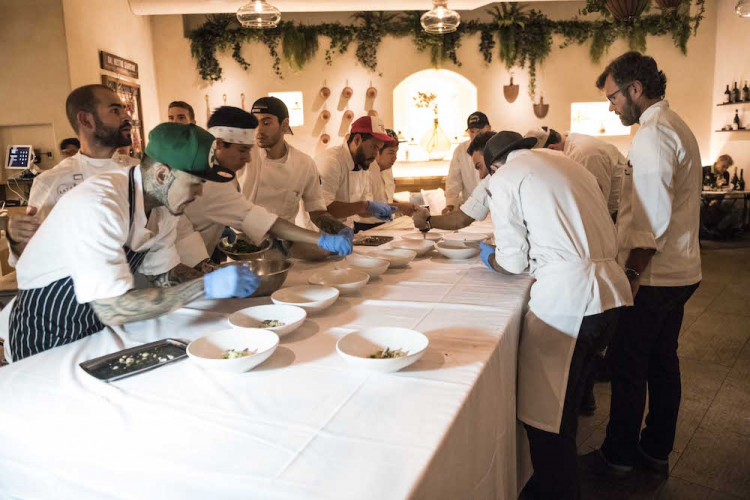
658	226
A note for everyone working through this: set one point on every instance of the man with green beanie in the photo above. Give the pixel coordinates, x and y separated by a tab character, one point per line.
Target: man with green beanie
76	275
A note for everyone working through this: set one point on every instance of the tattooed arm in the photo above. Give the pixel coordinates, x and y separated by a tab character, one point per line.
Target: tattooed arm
146	303
326	222
178	274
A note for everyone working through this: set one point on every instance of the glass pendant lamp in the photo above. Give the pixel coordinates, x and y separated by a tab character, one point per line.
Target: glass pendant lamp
259	14
742	8
440	19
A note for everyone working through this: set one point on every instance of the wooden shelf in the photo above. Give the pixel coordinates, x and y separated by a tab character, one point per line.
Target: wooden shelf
741	130
734	103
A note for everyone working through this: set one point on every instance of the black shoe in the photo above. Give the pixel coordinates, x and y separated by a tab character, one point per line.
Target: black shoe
657	466
588	404
594	464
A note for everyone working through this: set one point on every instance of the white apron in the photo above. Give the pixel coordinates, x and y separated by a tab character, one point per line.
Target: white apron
560	298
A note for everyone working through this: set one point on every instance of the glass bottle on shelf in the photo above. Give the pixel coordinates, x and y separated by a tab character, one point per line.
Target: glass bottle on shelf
727	96
735	180
735	93
737	125
745	93
742	180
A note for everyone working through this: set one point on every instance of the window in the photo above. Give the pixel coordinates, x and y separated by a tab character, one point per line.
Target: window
595	118
293	101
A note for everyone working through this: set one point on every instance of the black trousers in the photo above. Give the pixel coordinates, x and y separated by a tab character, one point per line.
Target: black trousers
554	455
644	356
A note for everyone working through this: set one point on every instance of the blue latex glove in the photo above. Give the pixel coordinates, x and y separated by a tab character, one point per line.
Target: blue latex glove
229	234
340	244
230	281
382	211
485	251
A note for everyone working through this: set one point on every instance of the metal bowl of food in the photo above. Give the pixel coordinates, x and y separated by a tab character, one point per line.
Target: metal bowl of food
272	274
243	249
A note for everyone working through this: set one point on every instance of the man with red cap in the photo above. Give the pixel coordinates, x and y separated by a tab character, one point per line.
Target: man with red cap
343	172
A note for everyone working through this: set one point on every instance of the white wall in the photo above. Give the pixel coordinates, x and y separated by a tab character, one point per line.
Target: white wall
732	65
34	81
109	25
568	76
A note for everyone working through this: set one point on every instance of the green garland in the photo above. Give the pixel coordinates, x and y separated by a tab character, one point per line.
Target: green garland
524	37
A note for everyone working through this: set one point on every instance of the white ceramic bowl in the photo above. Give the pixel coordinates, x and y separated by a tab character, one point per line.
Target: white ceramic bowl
465	237
457	249
419	235
207	351
311	298
421	247
252	317
398	257
371	265
347	281
357	347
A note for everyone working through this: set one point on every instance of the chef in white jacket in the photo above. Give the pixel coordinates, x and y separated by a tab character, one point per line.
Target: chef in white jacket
600	158
462	177
550	217
222	205
102	124
343	172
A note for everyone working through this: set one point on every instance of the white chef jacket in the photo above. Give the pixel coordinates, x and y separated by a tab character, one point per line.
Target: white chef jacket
478	206
549	216
601	159
660	204
338	179
462	177
200	227
280	185
51	184
382	187
83	238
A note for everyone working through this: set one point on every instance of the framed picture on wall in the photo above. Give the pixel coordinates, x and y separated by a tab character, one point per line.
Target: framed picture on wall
130	94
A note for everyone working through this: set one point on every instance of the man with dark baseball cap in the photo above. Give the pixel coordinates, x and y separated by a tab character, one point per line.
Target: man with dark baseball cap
462	177
343	172
550	217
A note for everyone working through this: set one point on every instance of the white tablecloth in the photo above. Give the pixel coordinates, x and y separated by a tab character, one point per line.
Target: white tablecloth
301	425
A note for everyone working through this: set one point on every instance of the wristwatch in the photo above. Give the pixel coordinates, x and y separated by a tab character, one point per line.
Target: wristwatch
632	274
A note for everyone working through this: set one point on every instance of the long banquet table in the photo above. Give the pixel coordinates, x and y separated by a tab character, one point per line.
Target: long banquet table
301	425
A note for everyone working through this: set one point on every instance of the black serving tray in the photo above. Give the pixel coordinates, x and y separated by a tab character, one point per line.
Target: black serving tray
110	367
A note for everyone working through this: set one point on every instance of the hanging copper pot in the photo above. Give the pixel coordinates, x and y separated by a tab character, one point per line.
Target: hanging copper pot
325	115
348	115
510	91
325	92
668	4
325	138
372	92
541	109
347	93
372	112
626	10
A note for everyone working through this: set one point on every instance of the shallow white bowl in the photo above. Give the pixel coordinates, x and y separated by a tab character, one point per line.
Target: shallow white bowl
252	317
371	265
207	351
421	247
311	298
398	257
457	249
419	235
347	281
465	237
357	347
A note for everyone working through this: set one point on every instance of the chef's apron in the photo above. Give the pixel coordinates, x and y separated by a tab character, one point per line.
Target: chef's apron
559	300
50	316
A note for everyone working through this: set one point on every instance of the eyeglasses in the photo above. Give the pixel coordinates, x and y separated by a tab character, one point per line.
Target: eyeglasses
611	96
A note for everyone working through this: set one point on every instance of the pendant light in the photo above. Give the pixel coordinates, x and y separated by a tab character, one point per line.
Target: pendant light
259	14
440	19
742	8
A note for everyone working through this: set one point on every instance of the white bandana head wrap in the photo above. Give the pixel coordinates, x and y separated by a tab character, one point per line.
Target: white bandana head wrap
234	135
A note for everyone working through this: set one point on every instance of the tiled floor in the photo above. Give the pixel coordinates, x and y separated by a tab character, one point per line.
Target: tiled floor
711	457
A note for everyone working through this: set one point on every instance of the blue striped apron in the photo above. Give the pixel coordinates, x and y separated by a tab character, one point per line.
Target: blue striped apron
47	317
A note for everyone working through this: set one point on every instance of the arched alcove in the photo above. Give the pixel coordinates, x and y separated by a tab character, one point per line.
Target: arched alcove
456	98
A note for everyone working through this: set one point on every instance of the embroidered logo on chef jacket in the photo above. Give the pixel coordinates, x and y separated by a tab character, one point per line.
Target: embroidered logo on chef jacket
64	188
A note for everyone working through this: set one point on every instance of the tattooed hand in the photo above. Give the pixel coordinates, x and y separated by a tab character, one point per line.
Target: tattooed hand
175	276
206	266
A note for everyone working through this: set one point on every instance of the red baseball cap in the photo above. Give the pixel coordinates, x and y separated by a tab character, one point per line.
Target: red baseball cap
374	126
